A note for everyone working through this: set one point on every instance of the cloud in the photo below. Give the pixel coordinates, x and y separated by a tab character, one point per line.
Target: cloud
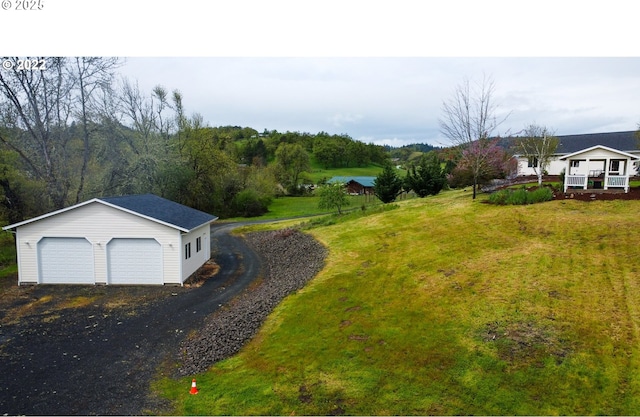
341	120
397	100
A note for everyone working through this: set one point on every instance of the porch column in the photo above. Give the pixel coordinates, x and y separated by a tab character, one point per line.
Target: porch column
567	172
625	172
607	165
586	183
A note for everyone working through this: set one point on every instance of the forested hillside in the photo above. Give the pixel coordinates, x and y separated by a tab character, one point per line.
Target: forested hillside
77	130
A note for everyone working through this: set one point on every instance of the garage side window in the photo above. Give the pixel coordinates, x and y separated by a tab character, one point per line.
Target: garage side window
187	251
198	244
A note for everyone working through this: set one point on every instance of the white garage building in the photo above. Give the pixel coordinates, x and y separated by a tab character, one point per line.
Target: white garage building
131	240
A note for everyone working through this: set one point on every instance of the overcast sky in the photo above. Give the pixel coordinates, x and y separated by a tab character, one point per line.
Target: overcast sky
376	70
397	100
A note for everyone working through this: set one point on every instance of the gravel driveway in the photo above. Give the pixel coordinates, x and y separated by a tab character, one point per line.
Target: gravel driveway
89	360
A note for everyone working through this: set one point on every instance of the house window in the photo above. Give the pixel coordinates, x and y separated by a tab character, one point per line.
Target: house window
198	244
532	162
187	251
575	164
614	166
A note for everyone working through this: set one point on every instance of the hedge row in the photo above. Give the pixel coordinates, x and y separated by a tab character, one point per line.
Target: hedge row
521	196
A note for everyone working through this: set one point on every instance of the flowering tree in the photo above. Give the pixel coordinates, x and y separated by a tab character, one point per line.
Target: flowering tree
482	159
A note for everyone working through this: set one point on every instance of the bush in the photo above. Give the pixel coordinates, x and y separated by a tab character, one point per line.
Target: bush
521	196
248	203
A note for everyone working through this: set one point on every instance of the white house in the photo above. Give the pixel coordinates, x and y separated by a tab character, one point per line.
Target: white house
626	142
138	239
599	167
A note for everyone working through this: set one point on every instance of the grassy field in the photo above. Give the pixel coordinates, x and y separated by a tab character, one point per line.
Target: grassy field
449	306
287	207
318	172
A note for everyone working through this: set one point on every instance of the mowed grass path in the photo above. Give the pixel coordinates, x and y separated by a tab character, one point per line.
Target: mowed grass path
448	306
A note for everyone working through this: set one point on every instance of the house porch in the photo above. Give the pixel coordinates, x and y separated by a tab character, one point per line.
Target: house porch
599	168
601	183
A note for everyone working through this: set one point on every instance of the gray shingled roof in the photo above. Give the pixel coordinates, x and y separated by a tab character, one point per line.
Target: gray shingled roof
161	209
622	141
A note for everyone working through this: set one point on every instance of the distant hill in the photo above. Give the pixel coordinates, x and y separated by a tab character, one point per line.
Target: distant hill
407	153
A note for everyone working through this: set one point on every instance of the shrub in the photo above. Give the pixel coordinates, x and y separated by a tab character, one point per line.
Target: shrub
333	196
521	196
248	203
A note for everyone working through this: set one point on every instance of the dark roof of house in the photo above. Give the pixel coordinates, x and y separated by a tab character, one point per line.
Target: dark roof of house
151	206
622	141
166	211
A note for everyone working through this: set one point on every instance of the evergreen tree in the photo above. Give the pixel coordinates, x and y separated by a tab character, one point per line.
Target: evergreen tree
428	178
387	186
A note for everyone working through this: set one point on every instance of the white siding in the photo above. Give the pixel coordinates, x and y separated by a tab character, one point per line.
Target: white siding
598	154
98	223
555	167
197	258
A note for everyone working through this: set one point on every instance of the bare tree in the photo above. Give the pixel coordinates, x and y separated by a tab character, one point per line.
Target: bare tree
150	122
36	106
90	74
470	117
538	145
39	107
163	124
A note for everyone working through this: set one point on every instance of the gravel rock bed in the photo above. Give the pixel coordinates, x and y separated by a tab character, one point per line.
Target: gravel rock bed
290	259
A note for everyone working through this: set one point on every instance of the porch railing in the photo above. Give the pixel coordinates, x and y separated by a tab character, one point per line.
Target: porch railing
575	180
617	181
613	181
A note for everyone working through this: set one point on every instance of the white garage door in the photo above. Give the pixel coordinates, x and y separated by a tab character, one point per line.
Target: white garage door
64	260
134	261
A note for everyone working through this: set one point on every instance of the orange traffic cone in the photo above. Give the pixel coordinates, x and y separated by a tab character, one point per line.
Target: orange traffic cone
194	390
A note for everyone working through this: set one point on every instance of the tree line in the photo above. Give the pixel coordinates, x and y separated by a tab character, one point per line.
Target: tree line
76	130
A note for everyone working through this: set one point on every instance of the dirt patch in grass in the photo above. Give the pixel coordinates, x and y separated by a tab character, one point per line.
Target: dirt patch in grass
526	343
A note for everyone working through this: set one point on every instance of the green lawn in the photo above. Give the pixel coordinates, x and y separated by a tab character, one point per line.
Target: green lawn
450	306
288	207
319	173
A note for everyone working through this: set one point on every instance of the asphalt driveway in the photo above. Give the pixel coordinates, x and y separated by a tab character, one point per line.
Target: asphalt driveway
90	361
